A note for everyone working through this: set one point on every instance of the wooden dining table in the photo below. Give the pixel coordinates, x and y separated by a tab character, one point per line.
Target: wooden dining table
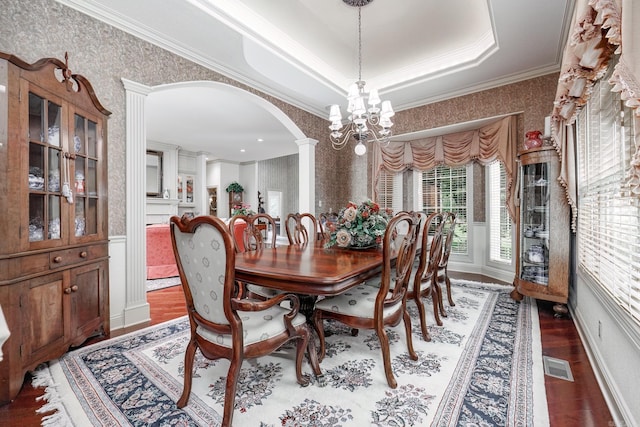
309	269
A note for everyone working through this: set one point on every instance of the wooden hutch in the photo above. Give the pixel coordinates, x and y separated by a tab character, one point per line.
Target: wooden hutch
54	255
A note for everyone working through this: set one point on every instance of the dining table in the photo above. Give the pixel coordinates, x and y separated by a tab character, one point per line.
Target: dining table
308	269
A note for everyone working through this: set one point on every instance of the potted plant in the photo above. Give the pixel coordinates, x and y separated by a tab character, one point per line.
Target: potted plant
235	187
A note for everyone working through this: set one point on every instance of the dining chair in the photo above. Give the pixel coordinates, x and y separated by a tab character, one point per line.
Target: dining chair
326	223
378	303
223	325
297	232
443	269
424	275
255	236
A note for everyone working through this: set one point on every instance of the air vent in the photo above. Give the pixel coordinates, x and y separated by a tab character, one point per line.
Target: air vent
557	368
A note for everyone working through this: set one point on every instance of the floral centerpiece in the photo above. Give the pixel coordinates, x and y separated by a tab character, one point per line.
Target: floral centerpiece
242	209
360	226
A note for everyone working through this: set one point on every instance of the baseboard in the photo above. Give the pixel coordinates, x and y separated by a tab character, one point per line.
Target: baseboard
597	364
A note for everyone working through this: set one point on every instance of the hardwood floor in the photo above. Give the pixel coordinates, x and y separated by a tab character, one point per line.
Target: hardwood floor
577	403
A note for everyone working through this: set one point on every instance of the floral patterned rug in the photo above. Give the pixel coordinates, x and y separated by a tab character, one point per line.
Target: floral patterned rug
483	367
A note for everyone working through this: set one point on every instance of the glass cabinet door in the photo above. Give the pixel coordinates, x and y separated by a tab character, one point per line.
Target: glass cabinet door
45	161
534	220
85	151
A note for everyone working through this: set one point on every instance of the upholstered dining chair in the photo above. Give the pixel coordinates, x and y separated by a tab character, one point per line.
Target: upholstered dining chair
222	324
378	303
255	236
297	232
424	276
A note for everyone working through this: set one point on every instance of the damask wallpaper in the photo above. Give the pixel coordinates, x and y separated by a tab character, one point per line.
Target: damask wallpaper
103	54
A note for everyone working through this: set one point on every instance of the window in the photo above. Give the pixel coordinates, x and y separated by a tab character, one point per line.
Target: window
444	189
390	191
608	215
500	240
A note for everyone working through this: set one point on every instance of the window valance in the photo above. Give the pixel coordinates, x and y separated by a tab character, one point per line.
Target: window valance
495	141
600	29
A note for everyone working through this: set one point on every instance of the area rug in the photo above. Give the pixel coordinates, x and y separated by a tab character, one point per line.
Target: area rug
483	367
167	282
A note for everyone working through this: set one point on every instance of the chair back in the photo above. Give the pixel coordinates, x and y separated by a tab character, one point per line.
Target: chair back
260	232
327	224
449	231
431	248
297	232
402	247
206	262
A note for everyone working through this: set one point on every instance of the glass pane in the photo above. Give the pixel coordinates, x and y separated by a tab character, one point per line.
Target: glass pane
78	138
535	224
54	124
92	138
54	170
92	178
36	166
80	221
36	117
80	183
54	217
92	217
36	217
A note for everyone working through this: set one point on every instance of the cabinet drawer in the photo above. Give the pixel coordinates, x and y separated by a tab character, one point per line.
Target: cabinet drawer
76	255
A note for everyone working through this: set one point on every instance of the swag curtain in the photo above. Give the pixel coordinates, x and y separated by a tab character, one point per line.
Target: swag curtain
495	141
600	29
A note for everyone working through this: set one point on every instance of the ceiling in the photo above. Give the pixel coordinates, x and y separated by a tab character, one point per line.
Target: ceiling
305	52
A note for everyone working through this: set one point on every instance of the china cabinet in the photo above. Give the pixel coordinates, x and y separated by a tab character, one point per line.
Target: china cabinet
235	199
53	182
542	262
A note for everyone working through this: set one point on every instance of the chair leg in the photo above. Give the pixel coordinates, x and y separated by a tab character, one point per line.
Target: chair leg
188	373
448	282
318	325
421	311
407	328
386	356
301	347
230	390
435	297
312	353
443	313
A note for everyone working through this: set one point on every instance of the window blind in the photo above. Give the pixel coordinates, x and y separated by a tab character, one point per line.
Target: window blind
608	215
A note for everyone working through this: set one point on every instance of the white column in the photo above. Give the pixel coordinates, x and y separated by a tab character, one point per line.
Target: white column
307	175
136	308
202	200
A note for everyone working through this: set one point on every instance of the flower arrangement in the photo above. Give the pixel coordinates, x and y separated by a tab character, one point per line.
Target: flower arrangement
242	209
359	226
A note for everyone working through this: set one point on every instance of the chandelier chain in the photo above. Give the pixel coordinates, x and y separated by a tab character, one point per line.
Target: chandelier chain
359	45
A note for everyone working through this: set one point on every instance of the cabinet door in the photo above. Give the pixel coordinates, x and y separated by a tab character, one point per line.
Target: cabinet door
88	301
87	177
45	318
44	175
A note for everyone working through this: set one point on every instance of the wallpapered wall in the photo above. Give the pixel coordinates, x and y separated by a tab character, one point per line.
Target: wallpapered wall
43	28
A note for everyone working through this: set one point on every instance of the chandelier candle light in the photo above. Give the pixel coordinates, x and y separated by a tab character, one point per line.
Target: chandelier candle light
374	122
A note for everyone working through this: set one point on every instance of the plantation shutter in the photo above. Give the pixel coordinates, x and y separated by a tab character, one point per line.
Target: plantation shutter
500	240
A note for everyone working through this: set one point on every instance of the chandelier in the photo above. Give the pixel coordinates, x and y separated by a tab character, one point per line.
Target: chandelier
364	124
